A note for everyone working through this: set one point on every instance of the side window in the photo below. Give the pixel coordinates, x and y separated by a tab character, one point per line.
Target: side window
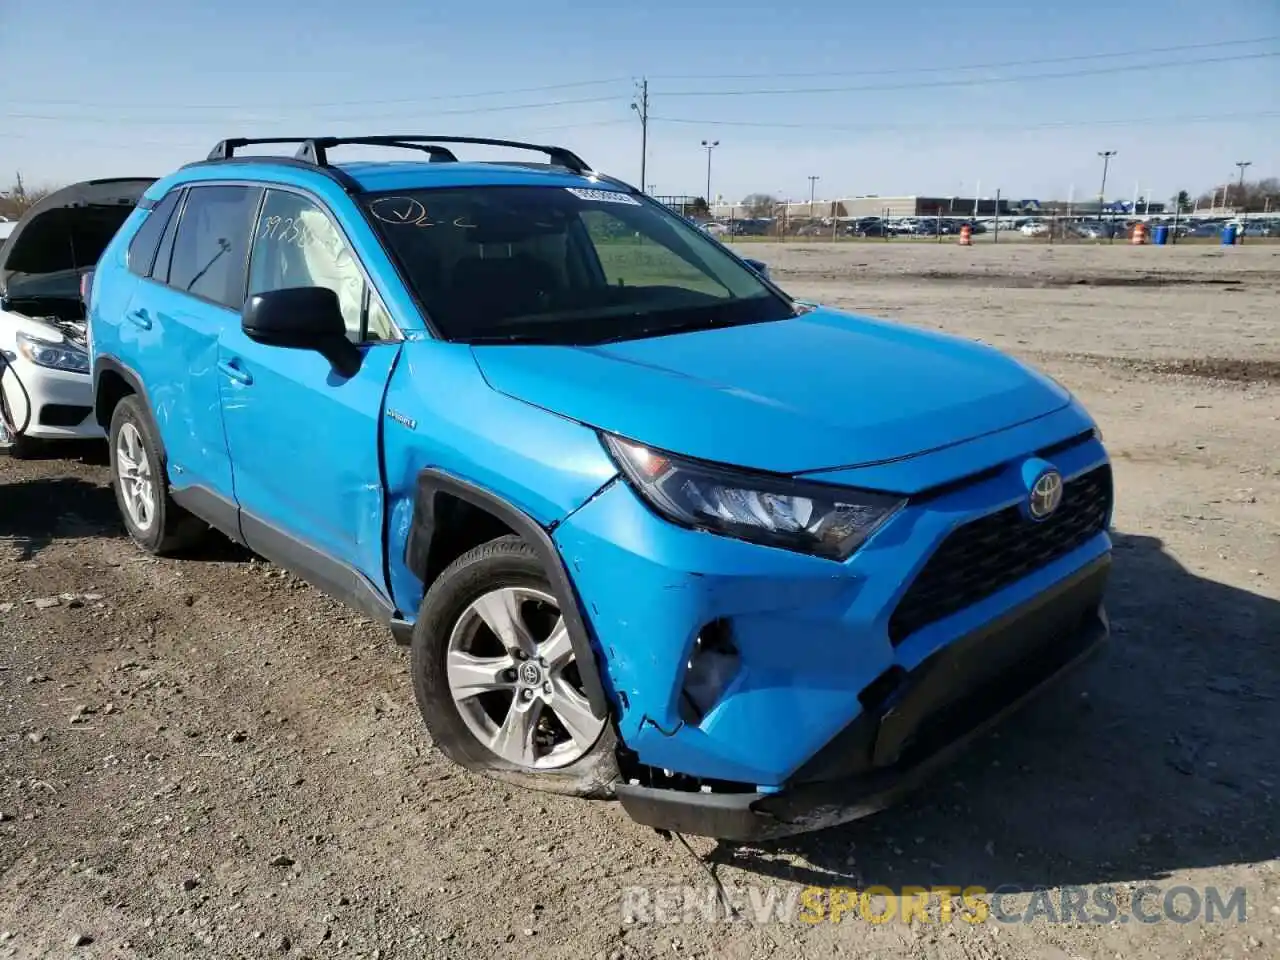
630	259
142	248
297	245
212	244
160	271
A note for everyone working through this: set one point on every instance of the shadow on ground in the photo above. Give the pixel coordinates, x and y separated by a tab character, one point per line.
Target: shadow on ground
1160	755
34	513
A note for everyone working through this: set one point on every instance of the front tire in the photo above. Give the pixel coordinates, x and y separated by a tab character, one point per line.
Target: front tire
139	477
496	679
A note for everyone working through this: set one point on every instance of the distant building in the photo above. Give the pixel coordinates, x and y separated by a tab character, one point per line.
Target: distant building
851	208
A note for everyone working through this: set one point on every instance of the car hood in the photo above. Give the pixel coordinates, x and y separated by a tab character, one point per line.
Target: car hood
66	232
818	391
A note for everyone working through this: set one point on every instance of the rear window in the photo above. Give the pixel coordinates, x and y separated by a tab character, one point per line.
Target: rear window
564	264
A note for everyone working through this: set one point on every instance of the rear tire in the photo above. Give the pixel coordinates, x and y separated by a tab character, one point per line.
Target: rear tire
496	680
140	479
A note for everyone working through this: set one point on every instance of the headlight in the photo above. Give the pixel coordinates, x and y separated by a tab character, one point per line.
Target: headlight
56	356
811	518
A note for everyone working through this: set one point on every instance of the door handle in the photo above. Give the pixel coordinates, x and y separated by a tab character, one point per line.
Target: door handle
140	318
233	372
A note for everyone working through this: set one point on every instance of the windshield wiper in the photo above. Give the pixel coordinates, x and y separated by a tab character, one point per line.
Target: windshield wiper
514	338
664	329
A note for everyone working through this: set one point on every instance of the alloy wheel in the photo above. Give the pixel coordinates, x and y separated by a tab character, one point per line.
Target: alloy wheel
513	677
133	470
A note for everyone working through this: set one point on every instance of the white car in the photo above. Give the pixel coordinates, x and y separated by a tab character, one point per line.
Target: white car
45	388
1034	228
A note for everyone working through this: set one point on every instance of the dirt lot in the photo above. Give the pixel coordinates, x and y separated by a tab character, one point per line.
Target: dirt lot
206	758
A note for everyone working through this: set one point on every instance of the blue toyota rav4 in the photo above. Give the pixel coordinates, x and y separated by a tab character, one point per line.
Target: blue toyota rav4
654	529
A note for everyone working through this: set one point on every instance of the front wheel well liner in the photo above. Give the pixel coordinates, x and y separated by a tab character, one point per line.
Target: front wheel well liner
451	515
110	388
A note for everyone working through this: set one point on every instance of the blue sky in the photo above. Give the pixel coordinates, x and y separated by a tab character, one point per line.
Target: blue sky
90	89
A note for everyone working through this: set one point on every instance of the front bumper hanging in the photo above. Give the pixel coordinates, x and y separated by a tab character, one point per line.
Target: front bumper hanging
916	726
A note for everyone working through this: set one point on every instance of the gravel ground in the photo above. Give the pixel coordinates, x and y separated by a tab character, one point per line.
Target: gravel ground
207	758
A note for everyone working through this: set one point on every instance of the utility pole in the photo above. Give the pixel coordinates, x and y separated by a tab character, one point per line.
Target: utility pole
641	106
709	145
812	182
1106	156
1240	199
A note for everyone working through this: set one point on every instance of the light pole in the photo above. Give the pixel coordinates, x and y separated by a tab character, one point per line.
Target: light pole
1106	156
1240	199
812	182
709	145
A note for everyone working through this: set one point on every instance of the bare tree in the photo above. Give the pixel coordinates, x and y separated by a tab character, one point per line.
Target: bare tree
20	198
759	205
1255	195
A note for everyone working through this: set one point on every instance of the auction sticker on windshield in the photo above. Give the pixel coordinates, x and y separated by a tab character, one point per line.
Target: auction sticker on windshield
604	196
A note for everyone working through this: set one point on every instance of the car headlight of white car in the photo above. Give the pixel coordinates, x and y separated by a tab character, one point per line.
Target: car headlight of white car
55	356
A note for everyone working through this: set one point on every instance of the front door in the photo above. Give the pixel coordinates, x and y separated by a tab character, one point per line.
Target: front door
304	441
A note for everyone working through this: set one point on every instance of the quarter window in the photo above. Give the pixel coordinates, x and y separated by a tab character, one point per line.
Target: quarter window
212	244
142	249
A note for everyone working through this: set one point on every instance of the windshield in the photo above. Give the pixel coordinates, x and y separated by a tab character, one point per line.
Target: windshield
564	265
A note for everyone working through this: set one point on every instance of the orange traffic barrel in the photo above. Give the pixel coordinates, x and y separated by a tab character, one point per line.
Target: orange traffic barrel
966	236
1139	233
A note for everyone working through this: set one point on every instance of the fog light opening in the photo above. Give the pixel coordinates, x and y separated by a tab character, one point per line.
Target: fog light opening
713	663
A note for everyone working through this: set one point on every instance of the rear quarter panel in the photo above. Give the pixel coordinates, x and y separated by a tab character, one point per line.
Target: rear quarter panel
113	290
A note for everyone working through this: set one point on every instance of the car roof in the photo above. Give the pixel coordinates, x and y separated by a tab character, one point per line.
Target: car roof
376	177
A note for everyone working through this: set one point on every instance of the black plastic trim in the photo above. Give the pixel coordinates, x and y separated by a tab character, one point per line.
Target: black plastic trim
432	481
63	414
336	174
330	576
213	508
819	804
102	364
327	574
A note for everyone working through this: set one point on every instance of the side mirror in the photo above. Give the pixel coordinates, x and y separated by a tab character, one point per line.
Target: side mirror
301	318
759	266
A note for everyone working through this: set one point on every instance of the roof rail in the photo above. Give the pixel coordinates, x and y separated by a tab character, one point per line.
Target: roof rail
226	149
314	150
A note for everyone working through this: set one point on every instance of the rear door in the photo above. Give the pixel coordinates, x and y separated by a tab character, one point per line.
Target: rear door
195	292
304	441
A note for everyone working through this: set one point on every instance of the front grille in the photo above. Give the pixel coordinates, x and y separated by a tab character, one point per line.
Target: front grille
982	557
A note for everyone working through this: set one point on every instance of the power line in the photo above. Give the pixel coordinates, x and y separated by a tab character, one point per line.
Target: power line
338	103
971	124
971	66
186	143
205	121
970	82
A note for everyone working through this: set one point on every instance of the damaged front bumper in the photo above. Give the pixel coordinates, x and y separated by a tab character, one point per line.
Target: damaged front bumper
920	723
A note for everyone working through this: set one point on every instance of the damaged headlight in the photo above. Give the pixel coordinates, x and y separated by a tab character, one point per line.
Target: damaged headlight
811	518
55	356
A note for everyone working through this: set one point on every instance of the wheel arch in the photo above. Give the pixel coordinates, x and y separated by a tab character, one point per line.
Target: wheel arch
434	534
112	382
